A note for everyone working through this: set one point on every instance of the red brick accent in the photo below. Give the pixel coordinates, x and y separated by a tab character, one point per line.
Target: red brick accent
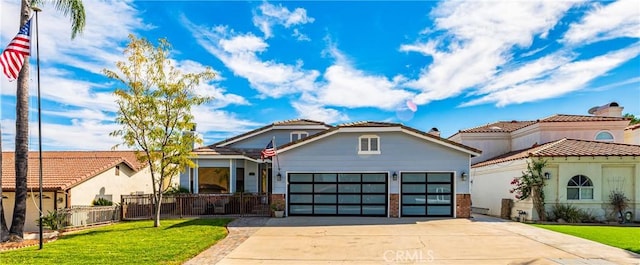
393	205
277	198
463	205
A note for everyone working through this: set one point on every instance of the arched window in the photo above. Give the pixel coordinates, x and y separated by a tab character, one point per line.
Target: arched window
604	136
580	187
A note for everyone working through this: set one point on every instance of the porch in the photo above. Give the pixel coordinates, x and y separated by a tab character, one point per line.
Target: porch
136	207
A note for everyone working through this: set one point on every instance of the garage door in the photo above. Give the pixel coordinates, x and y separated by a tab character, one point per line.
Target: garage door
427	194
349	194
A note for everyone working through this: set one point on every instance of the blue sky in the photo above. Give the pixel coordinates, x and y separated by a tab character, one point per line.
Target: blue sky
463	64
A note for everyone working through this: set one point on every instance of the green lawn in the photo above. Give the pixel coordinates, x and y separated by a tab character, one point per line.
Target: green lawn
621	237
126	243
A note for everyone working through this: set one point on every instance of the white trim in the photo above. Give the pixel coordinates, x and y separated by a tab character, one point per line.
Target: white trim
441	142
232	183
369	151
278	127
612	140
228	157
300	127
389	179
370	129
246	136
299	134
313	139
378	129
399	193
196	179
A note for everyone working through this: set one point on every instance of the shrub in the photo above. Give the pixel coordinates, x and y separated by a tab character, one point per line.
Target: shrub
101	202
619	202
55	220
571	214
277	205
176	190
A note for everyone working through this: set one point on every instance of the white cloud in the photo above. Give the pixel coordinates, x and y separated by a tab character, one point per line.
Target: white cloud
477	41
349	87
239	53
72	79
527	72
300	36
210	120
614	20
567	78
318	112
268	15
81	134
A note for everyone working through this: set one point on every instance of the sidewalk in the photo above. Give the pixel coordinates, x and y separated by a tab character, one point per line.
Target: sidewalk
239	230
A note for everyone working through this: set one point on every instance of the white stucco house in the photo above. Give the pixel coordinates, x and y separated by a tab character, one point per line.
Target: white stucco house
74	178
586	160
632	134
355	169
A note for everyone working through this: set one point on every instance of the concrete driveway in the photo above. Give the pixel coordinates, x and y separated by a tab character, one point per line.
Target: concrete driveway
481	240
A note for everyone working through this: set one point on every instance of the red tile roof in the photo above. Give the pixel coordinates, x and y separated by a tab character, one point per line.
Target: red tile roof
567	148
633	127
500	126
62	170
578	118
510	126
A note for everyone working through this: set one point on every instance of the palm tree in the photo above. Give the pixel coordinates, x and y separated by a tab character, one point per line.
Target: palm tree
74	9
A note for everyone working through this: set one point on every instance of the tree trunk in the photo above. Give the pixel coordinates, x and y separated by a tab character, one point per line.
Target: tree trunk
156	218
22	140
538	204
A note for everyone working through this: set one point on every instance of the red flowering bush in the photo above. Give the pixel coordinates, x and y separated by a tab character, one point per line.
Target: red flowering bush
530	184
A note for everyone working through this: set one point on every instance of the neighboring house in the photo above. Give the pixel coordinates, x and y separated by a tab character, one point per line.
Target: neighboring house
632	134
585	154
355	169
74	178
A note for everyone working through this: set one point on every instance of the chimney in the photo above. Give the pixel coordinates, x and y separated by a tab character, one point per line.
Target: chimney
434	131
192	131
608	110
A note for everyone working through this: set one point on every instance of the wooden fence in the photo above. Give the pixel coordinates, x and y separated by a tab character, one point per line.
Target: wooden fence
135	207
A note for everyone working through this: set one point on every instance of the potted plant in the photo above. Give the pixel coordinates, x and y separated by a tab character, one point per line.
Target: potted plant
278	208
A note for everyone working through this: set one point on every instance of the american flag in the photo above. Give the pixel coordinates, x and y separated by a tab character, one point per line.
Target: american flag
12	57
268	151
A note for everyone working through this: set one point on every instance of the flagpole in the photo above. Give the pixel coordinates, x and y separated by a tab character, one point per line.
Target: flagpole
37	10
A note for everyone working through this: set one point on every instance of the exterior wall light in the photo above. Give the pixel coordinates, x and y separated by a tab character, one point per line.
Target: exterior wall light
463	176
279	177
547	175
395	176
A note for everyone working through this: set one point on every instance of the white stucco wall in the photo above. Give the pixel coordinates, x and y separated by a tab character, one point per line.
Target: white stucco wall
632	136
491	184
107	183
492	145
551	131
31	219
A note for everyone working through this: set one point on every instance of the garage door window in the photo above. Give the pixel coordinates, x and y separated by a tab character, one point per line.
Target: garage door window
361	194
427	194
